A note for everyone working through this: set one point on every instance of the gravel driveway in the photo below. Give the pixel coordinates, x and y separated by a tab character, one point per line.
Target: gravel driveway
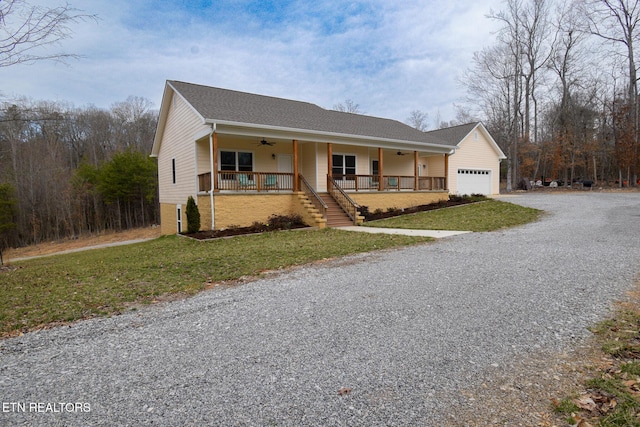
406	330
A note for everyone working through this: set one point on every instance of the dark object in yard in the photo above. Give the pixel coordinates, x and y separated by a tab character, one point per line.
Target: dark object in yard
524	184
587	183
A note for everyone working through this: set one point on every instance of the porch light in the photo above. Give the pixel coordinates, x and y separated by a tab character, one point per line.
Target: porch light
273	156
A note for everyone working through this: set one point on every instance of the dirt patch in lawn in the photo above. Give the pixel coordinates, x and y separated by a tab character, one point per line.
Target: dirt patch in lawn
47	248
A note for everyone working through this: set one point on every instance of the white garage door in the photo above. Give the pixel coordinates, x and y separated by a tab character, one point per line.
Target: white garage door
472	181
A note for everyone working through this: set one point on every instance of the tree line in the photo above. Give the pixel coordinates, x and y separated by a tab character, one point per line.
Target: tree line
67	171
558	89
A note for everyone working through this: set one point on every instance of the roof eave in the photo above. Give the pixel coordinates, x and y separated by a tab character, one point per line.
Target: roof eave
333	137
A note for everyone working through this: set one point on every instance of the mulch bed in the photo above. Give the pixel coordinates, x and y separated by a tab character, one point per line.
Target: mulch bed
237	231
454	201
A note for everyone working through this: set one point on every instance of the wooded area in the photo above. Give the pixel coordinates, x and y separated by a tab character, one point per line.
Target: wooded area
71	171
558	90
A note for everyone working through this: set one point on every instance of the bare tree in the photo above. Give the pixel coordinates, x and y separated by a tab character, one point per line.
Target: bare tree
418	120
527	34
348	107
131	120
492	86
463	116
616	21
25	28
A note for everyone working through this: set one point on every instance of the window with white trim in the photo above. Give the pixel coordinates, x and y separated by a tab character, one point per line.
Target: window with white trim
343	164
179	218
237	161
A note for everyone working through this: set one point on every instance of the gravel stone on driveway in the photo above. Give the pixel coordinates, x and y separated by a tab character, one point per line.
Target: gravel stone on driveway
406	330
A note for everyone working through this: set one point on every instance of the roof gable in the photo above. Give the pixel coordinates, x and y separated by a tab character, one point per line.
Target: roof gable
454	135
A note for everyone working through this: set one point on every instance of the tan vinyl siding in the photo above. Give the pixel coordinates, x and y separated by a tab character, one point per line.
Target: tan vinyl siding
398	165
474	153
308	163
435	165
322	164
362	160
178	143
204	161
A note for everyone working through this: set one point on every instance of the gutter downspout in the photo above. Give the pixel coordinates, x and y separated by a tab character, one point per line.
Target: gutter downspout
213	176
446	170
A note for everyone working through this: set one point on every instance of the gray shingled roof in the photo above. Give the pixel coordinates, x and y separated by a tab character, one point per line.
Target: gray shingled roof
453	135
215	104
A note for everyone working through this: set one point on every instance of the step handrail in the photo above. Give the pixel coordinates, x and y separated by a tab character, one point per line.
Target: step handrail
313	196
346	203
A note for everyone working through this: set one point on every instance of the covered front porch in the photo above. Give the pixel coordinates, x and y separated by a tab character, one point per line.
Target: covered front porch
257	165
352	174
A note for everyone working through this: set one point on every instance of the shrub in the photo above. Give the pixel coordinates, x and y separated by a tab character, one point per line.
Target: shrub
193	216
285	222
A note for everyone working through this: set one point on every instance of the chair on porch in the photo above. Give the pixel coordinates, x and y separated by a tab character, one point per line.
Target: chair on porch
373	183
245	183
271	182
392	182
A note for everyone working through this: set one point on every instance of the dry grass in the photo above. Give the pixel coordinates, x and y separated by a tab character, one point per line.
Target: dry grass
48	248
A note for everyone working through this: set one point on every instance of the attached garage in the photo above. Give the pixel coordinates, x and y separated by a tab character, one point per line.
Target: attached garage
474	167
471	181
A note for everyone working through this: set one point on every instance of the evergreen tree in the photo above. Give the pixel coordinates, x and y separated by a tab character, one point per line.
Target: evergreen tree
8	215
193	216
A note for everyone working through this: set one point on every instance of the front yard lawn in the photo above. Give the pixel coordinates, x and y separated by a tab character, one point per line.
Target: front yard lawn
488	215
98	282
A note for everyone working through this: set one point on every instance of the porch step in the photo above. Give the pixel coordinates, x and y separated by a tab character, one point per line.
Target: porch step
336	217
312	211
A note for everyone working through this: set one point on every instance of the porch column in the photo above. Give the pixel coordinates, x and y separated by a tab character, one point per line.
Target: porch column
213	153
213	165
329	159
416	171
380	170
296	172
446	172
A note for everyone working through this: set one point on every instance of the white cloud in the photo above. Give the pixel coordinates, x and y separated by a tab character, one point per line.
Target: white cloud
391	58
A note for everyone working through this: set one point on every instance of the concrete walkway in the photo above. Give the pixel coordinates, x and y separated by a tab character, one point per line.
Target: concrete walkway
438	234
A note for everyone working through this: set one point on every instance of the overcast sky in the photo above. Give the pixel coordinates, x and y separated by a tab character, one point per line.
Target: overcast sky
390	57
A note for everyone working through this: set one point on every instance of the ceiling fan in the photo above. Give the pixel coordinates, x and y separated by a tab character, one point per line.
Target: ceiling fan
265	142
400	153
